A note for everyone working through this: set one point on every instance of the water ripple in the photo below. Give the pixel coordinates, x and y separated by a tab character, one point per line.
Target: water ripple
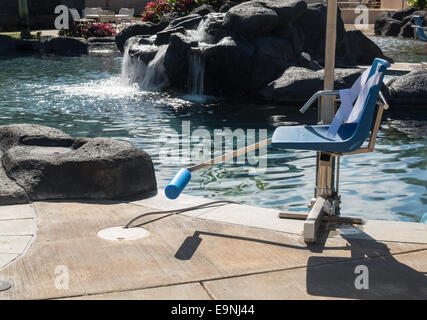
86	97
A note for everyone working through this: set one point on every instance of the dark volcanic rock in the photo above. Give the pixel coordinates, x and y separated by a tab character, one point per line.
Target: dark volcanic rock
49	164
380	21
361	50
274	47
67	46
203	10
10	191
227	5
251	46
7	45
288	11
190	21
312	27
391	27
251	18
398	23
272	55
297	84
403	13
163	36
409	89
214	28
407	31
145	28
33	134
290	33
177	59
305	61
169	17
228	67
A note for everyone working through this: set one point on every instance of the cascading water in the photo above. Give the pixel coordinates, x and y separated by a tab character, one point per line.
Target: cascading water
155	76
196	72
152	77
149	77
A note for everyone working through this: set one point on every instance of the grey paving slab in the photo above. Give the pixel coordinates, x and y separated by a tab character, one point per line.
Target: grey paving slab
21	227
189	291
5	258
14	244
17	211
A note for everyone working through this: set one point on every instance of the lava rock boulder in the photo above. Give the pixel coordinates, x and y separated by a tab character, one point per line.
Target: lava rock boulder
49	164
297	83
409	89
7	44
250	18
66	46
145	28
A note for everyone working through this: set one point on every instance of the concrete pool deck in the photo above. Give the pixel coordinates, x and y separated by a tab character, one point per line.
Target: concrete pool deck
50	250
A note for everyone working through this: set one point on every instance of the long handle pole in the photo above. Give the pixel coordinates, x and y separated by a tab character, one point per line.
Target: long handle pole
183	176
231	155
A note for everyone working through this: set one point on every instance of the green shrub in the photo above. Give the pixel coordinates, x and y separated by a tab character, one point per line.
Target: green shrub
419	4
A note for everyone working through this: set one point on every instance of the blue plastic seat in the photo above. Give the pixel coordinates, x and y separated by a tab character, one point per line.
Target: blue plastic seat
419	29
350	136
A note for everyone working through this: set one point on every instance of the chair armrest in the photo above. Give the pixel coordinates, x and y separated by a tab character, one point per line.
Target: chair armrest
315	96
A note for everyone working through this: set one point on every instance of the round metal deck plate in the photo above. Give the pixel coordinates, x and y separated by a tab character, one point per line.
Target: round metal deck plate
4	285
121	234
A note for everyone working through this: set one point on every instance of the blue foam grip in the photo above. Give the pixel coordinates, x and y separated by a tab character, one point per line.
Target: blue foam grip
178	183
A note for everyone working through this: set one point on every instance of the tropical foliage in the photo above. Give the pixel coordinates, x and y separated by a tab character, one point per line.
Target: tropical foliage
89	30
419	4
156	9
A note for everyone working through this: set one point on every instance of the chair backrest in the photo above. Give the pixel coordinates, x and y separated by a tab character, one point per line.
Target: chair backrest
92	11
127	11
75	14
417	20
364	125
419	31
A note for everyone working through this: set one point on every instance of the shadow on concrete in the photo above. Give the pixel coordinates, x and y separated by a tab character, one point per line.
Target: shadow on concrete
336	277
190	244
380	274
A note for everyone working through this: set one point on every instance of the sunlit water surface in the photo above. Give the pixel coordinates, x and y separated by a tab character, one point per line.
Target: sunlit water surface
402	49
86	96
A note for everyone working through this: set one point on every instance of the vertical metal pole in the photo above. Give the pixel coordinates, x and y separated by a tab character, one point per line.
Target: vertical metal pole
327	109
325	165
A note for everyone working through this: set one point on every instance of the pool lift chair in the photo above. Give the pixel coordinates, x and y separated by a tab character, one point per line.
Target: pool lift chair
345	135
419	29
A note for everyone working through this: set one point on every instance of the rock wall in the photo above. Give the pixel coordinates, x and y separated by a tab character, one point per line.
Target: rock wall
398	23
243	50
